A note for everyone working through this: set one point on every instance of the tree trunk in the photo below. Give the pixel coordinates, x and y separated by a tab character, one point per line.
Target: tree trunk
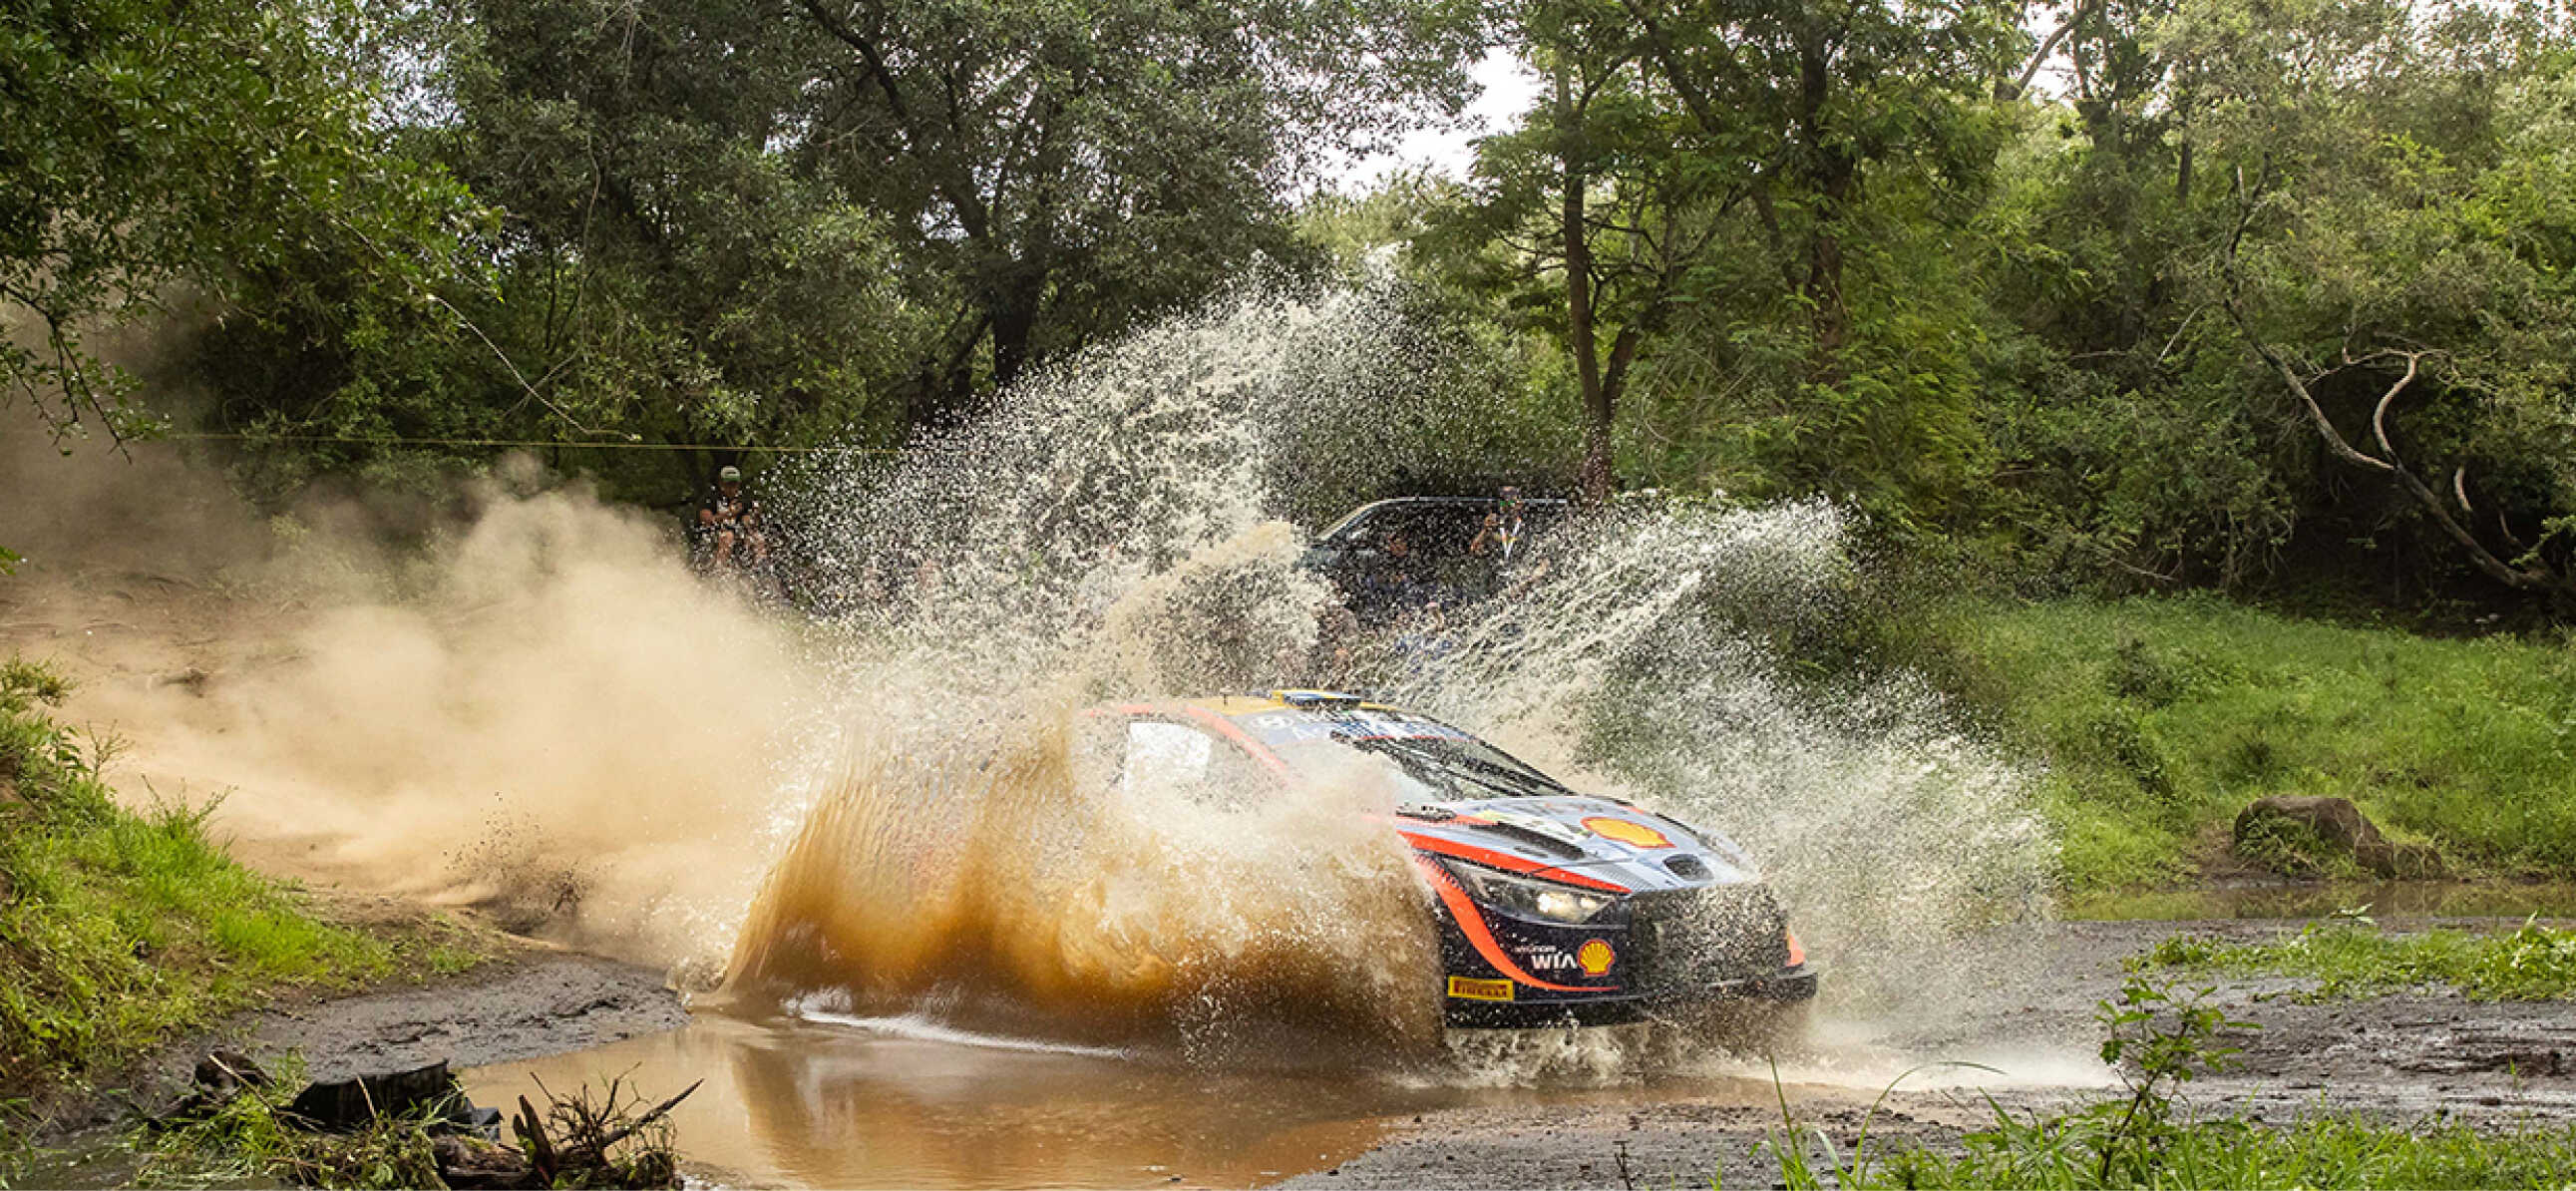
1014	313
1833	173
1593	481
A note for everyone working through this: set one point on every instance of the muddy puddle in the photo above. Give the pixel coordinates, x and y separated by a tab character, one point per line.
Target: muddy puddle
825	1101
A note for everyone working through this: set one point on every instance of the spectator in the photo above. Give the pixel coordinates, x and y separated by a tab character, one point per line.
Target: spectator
1504	530
729	521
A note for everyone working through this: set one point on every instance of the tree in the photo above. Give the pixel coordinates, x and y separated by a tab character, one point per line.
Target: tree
150	144
1691	189
1594	189
1059	170
2396	251
653	270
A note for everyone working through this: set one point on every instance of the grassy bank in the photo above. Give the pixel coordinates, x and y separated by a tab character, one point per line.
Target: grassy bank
120	931
2535	963
2161	718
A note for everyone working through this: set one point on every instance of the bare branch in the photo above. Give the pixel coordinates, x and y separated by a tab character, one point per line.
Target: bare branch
2379	416
2538	576
2039	58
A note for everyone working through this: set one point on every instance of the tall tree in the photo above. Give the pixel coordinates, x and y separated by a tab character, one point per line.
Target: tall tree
1592	214
1062	169
1690	189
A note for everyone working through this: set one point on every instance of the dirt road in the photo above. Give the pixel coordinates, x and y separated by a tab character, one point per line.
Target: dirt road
2405	1057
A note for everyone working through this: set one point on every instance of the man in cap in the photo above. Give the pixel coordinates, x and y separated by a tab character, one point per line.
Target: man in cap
731	519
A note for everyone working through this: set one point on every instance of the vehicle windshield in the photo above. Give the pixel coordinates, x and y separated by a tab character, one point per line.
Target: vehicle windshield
1438	763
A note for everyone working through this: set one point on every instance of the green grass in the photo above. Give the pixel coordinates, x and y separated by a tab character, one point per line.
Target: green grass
2535	963
247	1141
119	931
2160	718
2319	1152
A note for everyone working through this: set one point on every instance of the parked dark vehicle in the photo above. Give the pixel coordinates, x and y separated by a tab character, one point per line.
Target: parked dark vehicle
1391	556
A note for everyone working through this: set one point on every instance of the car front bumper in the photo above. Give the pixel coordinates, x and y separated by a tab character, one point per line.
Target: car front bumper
1789	986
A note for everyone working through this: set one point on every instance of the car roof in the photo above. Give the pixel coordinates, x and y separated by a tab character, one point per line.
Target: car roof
1292	700
1354	516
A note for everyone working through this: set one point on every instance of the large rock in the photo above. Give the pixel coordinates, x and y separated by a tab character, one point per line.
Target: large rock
2276	831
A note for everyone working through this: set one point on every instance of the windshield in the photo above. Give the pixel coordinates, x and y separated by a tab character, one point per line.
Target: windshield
1438	763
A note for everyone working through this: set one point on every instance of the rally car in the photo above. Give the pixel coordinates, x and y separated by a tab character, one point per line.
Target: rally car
1553	907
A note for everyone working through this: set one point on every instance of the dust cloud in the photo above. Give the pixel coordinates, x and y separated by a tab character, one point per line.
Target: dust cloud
538	709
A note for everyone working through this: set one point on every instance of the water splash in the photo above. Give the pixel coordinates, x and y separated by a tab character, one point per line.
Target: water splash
1104	534
1644	650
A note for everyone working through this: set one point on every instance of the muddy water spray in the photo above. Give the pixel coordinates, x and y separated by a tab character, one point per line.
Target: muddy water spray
1101	536
1641	652
908	779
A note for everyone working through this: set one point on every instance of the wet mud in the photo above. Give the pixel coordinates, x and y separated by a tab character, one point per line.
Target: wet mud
2402	1057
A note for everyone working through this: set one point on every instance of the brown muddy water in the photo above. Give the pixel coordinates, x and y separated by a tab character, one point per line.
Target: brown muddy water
825	1101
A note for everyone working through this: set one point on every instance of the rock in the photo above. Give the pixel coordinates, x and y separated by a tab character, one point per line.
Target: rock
2302	835
347	1104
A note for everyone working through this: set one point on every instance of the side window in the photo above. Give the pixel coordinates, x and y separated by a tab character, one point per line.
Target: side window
1166	759
1163	756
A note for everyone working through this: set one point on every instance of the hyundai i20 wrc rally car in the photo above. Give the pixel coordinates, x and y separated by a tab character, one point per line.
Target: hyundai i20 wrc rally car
1553	907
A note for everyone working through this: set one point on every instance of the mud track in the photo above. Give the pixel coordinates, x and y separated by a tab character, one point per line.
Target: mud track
2405	1057
540	1001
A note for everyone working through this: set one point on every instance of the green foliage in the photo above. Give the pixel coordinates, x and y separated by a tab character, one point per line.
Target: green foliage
611	1137
151	143
1724	215
732	224
2533	963
119	929
2157	1042
246	1139
2160	719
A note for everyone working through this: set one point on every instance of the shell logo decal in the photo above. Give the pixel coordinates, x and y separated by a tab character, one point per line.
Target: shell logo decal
1626	831
1595	957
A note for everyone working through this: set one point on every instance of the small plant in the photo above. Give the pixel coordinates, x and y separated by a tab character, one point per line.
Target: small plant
2158	1042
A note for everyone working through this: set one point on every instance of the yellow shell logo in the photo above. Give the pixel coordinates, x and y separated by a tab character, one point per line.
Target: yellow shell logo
1626	831
1595	957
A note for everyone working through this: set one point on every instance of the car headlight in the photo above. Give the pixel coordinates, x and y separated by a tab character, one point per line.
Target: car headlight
1523	895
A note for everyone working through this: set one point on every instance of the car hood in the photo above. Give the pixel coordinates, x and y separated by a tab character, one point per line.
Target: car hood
1599	839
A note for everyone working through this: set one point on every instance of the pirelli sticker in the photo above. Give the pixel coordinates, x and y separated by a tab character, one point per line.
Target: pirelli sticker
1480	990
